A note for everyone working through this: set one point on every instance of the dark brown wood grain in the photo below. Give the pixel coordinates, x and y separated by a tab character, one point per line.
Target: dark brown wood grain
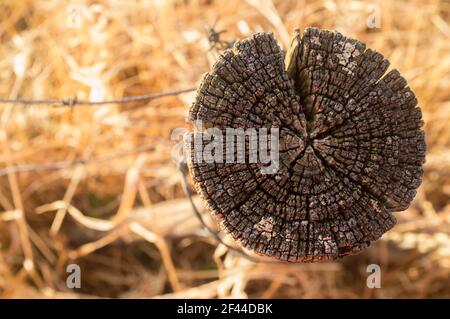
351	145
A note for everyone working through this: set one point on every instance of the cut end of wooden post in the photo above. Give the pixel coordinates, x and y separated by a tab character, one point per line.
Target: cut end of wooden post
351	145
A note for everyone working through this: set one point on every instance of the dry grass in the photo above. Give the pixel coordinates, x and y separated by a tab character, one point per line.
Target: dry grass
125	219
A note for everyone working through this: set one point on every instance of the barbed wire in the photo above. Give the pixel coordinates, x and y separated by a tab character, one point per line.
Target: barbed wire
75	101
72	102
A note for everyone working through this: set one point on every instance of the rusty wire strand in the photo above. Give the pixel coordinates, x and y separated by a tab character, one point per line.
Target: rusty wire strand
72	102
75	101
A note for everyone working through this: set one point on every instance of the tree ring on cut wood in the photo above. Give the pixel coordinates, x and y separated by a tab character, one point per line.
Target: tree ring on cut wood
351	145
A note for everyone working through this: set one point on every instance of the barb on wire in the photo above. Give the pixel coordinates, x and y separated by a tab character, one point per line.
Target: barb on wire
75	101
214	38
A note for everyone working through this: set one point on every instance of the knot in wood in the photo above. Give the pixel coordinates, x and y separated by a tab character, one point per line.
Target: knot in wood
351	147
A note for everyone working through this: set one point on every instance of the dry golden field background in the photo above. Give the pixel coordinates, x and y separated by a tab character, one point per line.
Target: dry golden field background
96	185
